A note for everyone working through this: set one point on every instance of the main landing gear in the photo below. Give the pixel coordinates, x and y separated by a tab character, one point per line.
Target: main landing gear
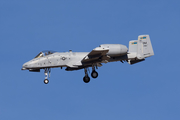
94	74
86	78
47	72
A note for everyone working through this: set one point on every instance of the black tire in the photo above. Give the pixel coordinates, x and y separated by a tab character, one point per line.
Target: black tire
46	81
86	79
94	74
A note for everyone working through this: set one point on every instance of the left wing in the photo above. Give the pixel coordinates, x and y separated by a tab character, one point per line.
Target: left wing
96	55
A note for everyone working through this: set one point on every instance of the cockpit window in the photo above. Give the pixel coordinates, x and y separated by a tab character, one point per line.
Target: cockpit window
39	55
44	53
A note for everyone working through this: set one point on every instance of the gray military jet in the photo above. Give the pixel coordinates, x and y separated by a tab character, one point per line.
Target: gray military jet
138	51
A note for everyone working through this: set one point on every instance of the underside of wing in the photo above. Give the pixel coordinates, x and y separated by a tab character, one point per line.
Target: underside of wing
97	55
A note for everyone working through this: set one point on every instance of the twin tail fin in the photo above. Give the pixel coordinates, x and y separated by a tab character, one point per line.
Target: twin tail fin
140	49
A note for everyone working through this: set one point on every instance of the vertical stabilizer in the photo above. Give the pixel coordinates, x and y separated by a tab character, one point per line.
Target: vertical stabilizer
144	47
133	44
140	49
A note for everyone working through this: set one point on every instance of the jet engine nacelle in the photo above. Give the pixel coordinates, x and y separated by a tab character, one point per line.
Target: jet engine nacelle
115	49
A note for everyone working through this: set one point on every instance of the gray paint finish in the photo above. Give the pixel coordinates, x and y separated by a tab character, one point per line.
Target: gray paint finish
138	51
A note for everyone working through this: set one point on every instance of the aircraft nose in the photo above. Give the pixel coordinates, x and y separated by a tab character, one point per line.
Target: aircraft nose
24	67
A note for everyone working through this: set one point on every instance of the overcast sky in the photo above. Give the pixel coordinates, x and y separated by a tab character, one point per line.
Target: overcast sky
149	90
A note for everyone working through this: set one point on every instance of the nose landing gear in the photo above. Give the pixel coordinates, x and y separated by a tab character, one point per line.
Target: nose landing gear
46	81
47	72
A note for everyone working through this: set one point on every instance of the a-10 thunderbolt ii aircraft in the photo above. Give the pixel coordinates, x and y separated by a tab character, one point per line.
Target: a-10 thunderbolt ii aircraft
138	51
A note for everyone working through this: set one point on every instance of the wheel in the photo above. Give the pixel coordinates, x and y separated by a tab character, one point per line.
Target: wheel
94	74
86	79
46	81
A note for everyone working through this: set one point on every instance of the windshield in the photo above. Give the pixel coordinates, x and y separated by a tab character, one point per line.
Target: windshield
44	53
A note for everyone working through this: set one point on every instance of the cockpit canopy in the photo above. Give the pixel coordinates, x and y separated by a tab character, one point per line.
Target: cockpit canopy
44	53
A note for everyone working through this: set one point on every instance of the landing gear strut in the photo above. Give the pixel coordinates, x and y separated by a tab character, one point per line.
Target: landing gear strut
47	72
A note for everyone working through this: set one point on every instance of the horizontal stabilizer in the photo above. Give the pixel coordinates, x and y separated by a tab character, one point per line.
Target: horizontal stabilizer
131	62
